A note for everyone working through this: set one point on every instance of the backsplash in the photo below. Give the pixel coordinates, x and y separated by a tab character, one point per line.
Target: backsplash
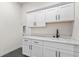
65	29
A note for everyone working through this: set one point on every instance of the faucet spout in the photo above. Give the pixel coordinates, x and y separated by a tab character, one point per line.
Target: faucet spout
57	33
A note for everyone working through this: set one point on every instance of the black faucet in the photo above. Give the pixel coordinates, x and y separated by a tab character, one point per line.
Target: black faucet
57	34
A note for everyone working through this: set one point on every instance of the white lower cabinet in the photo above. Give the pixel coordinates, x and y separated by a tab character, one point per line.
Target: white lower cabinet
76	54
26	50
49	52
36	51
26	47
32	48
66	53
38	48
76	50
54	52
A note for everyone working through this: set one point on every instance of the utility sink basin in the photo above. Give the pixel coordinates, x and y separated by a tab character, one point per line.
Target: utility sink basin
63	39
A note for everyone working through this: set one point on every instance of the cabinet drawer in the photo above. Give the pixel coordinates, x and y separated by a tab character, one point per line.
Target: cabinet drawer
51	44
65	53
59	45
26	42
76	54
76	48
66	47
37	42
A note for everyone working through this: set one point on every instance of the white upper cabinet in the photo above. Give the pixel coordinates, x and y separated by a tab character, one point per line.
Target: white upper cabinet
61	13
30	19
36	19
51	14
54	14
40	18
66	12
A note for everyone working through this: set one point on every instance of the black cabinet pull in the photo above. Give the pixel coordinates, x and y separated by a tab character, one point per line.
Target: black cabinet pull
36	42
56	53
29	46
59	53
25	40
56	17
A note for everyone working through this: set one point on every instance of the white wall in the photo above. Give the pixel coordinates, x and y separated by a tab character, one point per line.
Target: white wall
10	27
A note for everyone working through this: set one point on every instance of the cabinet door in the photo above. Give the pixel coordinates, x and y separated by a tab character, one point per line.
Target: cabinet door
40	18
51	15
26	47
76	54
30	19
36	19
49	52
66	12
66	54
37	51
26	51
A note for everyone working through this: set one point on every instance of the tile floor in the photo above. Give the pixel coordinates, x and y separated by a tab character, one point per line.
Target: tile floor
15	53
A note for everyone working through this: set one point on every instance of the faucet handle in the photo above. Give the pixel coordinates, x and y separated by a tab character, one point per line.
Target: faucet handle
54	36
